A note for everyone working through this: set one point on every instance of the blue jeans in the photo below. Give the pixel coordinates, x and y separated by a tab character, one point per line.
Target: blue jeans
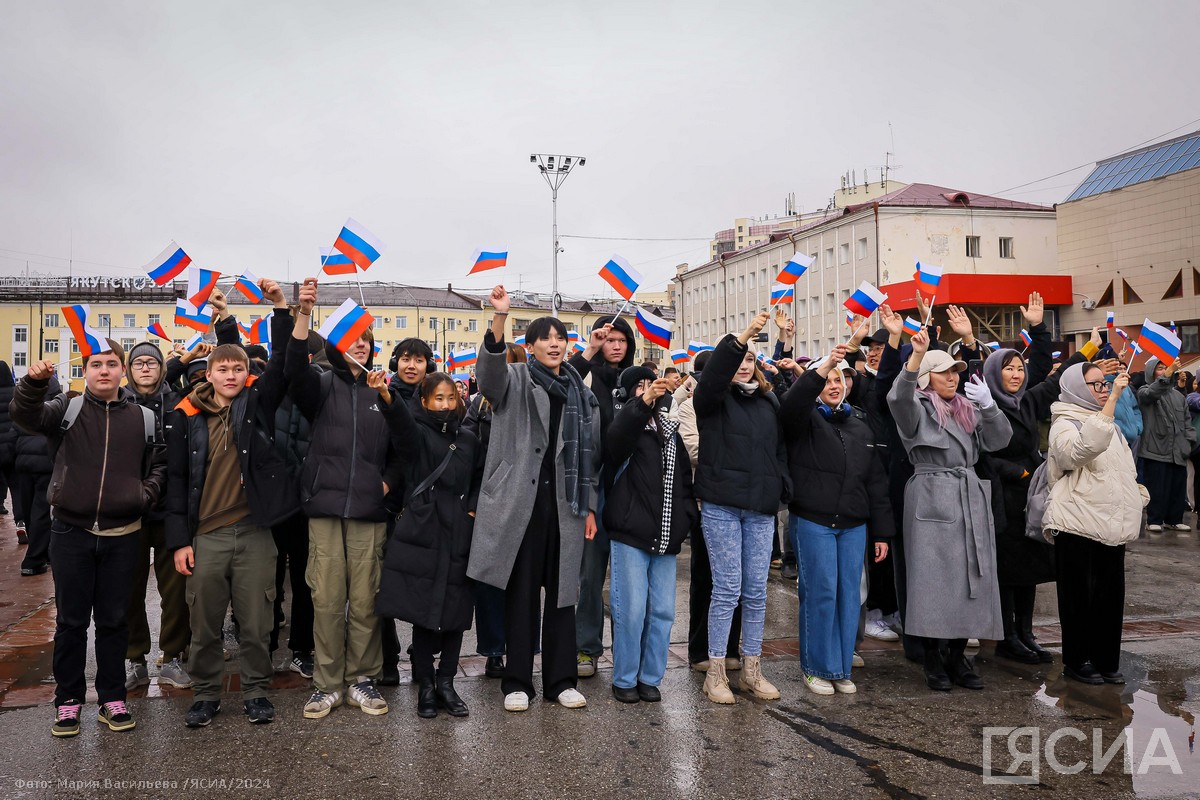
739	550
641	592
831	565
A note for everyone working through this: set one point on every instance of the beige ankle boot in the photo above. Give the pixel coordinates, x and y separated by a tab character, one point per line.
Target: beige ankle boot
752	679
716	683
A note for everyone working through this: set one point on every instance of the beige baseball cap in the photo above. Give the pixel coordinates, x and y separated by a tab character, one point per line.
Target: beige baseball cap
937	361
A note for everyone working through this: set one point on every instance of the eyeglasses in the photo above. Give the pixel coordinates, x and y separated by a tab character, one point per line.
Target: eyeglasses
144	363
1098	386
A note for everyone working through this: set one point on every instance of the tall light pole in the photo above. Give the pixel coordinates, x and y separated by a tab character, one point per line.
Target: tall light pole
555	169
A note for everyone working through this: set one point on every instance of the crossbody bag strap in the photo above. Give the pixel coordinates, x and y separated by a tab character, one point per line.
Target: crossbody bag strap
431	479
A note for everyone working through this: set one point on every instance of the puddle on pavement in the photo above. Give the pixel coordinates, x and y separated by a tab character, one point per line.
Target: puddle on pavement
1160	733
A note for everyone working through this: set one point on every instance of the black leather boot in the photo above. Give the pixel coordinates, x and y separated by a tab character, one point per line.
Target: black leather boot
448	699
1012	648
426	699
962	670
1025	634
935	670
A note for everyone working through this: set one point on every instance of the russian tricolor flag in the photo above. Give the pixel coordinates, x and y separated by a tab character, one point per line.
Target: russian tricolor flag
247	284
573	336
168	265
333	263
88	338
993	345
520	340
795	267
783	293
849	319
622	277
358	244
465	377
259	331
865	300
911	325
464	358
694	348
489	259
680	357
158	330
194	342
1026	338
927	277
198	319
1056	354
579	347
345	326
1159	342
653	328
437	357
201	283
1111	321
378	348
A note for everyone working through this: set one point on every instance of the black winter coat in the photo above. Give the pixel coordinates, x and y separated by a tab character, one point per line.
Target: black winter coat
8	431
633	508
424	577
603	376
742	462
350	456
838	481
32	449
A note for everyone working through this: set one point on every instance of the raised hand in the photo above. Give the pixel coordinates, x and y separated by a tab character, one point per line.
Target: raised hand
219	302
858	331
1096	340
891	320
377	380
656	390
781	318
272	292
757	324
1035	311
920	342
41	370
922	308
1120	383
308	295
500	300
597	339
960	323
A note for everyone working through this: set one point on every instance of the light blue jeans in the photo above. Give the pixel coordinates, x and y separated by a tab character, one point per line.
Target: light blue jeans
641	592
831	565
739	550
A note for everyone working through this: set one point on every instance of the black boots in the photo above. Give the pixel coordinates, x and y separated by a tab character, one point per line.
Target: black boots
935	670
961	668
426	699
1025	634
448	699
1012	648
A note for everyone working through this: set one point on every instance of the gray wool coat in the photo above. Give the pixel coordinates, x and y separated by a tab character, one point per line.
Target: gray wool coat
519	435
949	532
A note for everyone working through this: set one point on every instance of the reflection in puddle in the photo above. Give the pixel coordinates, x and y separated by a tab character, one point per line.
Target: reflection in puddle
1160	734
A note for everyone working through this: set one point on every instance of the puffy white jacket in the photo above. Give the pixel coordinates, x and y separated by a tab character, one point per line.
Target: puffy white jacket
1094	490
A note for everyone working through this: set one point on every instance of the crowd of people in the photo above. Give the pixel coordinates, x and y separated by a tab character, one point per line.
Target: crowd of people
923	492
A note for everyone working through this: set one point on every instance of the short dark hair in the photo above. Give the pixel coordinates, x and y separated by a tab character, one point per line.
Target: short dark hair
435	379
701	360
650	365
229	352
412	346
670	371
257	351
117	351
540	329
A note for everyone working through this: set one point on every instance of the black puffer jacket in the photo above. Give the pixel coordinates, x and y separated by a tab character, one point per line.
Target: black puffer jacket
8	431
633	511
743	462
32	449
603	376
425	569
350	456
837	480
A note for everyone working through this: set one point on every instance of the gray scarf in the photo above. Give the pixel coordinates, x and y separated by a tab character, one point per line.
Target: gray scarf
993	368
1073	389
576	430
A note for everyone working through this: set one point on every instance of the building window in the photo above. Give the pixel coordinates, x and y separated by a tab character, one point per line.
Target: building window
829	257
1190	334
19	359
731	285
20	333
451	324
742	320
762	278
127	344
844	253
687	297
740	229
473	326
51	321
703	294
377	322
77	371
750	282
131	320
830	302
861	249
704	328
972	247
739	240
845	295
433	323
51	345
401	323
1006	247
103	320
742	283
75	345
801	308
152	318
816	306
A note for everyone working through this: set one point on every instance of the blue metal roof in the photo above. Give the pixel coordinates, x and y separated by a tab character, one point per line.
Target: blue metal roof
1146	164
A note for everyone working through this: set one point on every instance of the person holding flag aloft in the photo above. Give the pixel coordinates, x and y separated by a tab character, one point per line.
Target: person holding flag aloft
740	480
349	468
1168	438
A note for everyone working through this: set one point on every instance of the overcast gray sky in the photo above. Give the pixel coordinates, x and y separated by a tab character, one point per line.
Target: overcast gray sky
249	131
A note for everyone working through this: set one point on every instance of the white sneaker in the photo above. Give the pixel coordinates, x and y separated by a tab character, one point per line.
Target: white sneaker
845	686
857	662
818	685
1154	528
571	698
366	697
516	701
973	643
876	629
321	703
1180	526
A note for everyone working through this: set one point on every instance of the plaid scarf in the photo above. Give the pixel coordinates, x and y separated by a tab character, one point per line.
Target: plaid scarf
576	431
667	428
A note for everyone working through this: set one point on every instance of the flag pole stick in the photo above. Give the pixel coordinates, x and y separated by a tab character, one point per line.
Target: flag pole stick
620	312
929	314
866	319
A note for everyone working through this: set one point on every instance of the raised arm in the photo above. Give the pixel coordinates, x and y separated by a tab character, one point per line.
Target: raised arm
491	371
272	384
29	408
304	382
902	398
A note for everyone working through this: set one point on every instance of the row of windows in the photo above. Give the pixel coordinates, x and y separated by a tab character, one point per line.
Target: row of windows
975	247
103	322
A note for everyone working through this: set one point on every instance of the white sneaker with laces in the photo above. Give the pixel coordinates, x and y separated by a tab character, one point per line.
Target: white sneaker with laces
856	661
1180	526
844	686
818	685
366	697
516	701
571	698
321	703
876	629
1154	528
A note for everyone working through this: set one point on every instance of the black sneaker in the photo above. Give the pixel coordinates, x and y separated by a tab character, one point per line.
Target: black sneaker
494	668
66	723
116	716
201	713
259	710
37	569
302	663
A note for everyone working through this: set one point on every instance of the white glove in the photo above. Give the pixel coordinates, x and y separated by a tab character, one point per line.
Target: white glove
977	392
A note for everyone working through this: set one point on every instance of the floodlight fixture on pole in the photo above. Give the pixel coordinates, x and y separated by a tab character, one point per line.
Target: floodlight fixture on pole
555	169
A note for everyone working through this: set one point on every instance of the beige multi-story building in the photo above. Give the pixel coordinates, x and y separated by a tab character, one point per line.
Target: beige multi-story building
994	251
32	325
1129	236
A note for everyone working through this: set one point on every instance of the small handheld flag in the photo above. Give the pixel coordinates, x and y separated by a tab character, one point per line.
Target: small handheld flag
378	348
1159	342
259	331
187	315
437	357
463	358
489	259
358	244
573	336
621	277
465	377
158	330
345	326
1111	321
865	300
1026	338
680	357
1056	354
520	340
247	284
993	345
1172	326
579	347
193	342
911	325
333	263
201	283
849	319
783	293
88	338
795	267
168	265
654	328
927	277
694	348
